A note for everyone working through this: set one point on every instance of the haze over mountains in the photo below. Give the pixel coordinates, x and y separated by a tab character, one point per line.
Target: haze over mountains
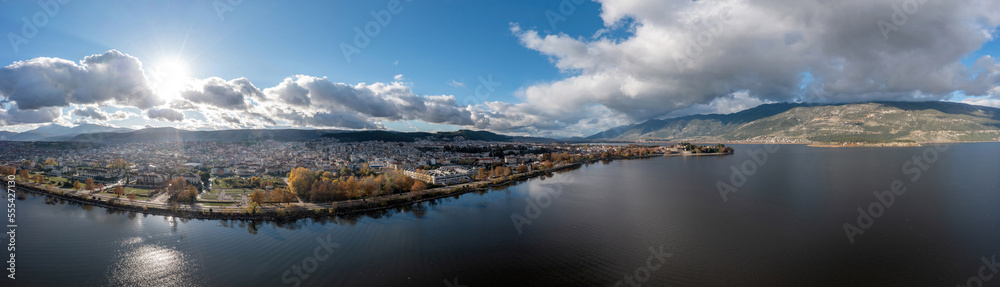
874	122
96	133
54	132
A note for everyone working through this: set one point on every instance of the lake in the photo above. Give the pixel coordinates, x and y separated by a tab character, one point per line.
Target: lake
659	222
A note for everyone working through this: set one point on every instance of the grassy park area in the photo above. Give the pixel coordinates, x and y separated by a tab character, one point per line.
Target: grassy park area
140	193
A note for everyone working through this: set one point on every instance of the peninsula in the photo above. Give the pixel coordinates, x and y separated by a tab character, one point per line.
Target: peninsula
284	180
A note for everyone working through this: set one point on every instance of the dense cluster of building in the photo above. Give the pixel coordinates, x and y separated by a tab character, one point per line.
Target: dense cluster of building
443	176
153	164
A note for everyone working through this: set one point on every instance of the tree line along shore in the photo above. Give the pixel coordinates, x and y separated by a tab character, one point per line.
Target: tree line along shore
307	193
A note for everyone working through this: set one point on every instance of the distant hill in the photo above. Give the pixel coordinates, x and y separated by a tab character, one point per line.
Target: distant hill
392	136
95	133
874	122
54	132
174	135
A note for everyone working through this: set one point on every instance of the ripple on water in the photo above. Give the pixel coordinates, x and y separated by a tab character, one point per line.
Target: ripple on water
151	265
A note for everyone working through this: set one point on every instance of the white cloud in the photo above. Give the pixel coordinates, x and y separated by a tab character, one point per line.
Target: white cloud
732	103
676	57
685	54
165	114
231	95
982	101
98	115
90	112
313	101
14	116
110	78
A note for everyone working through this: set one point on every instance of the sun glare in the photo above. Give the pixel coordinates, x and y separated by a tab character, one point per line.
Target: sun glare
170	78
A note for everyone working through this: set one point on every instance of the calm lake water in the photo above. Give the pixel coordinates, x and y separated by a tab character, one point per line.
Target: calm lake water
589	226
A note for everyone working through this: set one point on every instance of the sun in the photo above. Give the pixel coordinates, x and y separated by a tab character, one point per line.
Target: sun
170	78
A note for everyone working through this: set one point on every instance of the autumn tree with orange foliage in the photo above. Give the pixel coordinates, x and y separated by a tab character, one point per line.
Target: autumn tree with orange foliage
418	186
281	195
321	186
180	191
8	170
257	197
301	181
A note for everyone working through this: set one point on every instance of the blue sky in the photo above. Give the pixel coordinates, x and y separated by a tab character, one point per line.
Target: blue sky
430	43
547	79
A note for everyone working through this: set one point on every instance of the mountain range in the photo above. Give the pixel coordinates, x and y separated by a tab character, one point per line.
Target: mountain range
54	132
871	122
95	133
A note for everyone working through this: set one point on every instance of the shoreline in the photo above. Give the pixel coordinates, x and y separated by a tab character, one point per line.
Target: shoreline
849	145
810	144
277	213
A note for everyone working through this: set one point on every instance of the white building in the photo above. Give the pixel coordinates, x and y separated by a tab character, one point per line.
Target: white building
440	176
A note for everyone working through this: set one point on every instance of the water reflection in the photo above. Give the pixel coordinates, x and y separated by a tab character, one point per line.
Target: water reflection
546	183
783	228
151	265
